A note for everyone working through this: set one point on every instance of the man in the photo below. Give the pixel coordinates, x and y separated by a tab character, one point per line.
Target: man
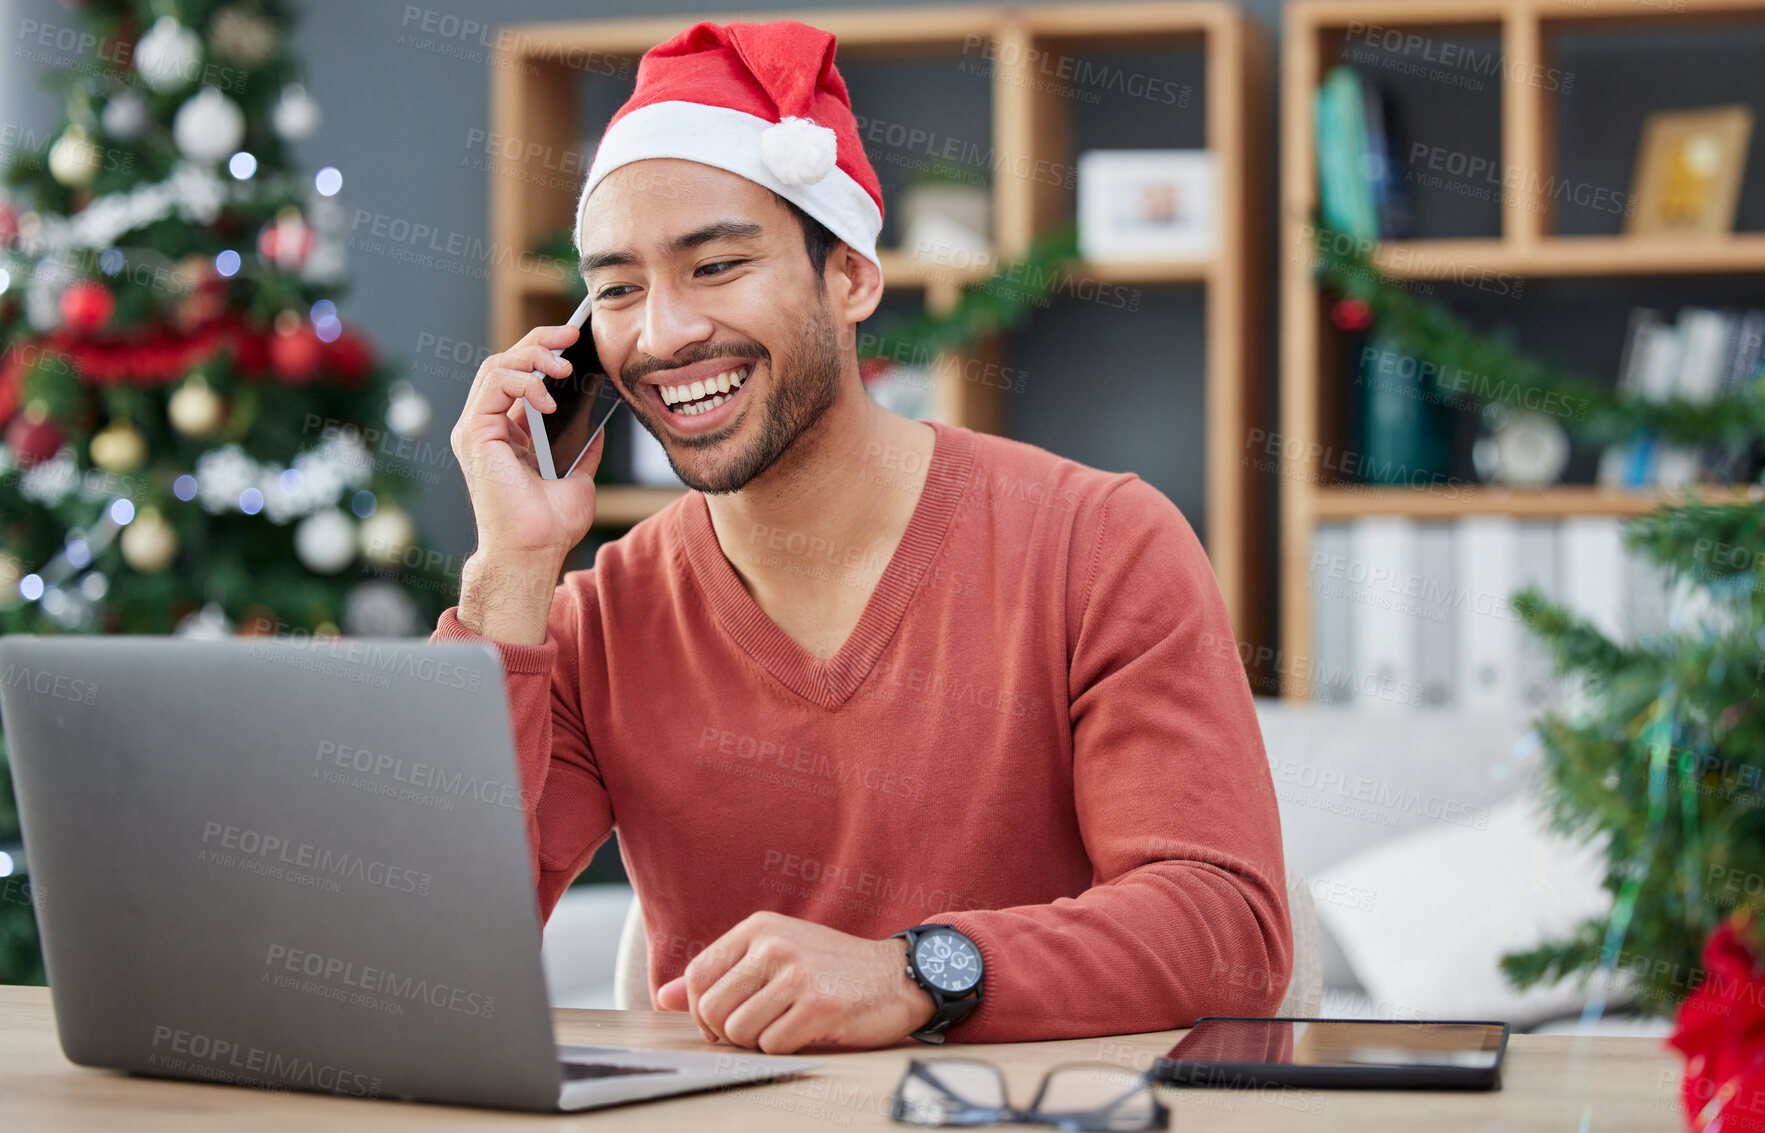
872	676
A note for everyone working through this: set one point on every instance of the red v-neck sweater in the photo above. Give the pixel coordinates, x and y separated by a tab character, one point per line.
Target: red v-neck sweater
1038	733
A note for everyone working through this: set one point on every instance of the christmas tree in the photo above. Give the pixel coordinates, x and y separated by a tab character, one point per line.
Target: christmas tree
1658	755
191	441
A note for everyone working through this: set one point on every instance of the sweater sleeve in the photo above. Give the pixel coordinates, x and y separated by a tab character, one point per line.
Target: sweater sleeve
1187	911
568	813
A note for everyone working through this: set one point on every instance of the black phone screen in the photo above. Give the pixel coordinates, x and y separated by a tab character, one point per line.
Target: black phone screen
586	398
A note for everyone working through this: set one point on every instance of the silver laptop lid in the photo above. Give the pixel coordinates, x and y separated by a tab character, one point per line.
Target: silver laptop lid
289	863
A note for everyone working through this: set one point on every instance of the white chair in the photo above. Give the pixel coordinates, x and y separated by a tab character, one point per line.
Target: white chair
631	979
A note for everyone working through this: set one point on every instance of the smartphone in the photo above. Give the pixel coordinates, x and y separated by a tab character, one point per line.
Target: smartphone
585	398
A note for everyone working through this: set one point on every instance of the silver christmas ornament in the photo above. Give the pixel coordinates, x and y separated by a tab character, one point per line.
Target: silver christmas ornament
209	126
125	115
168	54
296	114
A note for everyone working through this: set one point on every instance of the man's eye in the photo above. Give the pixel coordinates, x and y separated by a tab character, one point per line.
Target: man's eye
614	292
722	264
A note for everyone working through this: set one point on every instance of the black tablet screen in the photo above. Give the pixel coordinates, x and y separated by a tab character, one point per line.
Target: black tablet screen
1337	1042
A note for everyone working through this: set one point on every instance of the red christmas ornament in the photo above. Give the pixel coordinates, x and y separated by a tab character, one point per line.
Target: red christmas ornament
33	438
1352	314
8	225
295	354
286	241
86	306
1721	1032
348	357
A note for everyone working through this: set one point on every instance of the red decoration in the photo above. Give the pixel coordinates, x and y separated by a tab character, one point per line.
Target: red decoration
86	306
1721	1031
33	439
349	357
8	224
295	355
1352	314
11	374
158	355
150	356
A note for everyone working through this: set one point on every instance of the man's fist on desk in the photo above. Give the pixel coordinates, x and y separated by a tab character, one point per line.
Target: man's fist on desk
780	984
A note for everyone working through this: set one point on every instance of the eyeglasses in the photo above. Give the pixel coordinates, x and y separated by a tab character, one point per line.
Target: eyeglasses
1078	1095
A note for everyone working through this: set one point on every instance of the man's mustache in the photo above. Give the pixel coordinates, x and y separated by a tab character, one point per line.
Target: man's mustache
635	371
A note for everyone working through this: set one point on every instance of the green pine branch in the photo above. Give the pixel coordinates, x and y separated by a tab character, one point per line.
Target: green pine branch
1660	761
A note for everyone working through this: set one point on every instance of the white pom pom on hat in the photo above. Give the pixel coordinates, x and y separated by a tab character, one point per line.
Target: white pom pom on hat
797	151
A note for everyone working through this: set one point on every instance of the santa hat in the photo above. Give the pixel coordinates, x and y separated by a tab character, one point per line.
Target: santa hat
762	101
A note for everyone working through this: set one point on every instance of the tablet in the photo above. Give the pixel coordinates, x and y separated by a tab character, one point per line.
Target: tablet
1360	1054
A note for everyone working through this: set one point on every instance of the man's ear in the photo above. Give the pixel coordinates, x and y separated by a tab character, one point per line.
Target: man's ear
854	283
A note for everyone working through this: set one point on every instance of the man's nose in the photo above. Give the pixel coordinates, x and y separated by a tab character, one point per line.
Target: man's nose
670	322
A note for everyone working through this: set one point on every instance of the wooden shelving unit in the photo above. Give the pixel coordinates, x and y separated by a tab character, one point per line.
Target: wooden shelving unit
533	98
1558	256
1526	248
1352	502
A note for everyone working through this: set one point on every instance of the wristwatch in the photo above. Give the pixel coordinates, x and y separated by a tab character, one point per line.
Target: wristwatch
948	966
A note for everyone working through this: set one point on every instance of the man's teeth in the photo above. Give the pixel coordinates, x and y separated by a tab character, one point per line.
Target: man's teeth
685	398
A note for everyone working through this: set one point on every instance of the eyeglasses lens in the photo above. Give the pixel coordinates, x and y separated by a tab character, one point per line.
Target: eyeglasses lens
978	1085
1082	1090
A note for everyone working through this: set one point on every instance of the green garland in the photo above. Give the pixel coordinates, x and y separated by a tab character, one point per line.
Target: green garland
1002	300
1432	332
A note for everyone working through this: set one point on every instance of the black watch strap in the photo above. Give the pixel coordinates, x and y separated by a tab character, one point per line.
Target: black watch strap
949	1009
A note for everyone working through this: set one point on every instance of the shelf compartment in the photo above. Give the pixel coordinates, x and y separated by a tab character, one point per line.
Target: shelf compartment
621	505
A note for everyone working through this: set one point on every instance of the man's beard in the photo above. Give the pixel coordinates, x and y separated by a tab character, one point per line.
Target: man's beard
798	393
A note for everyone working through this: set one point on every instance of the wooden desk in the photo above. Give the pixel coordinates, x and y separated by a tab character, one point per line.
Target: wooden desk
1548	1084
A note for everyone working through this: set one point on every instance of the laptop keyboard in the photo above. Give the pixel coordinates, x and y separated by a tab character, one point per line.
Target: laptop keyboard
577	1071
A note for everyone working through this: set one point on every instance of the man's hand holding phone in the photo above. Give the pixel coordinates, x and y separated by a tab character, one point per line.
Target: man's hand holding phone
527	525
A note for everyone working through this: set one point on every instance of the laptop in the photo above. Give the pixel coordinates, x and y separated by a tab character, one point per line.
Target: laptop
300	864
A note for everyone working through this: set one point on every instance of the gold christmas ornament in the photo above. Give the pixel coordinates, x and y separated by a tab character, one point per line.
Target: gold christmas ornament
387	535
195	410
244	37
75	158
11	570
149	544
119	447
192	271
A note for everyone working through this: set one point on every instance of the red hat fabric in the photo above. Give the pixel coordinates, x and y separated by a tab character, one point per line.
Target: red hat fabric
763	101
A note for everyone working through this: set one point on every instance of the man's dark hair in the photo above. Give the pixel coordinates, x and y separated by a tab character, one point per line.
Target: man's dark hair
817	240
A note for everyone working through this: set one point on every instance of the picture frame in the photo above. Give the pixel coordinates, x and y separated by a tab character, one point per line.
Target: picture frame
1688	171
1148	205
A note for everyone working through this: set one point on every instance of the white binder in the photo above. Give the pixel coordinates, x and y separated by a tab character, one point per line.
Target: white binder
1488	554
1385	614
1593	571
1436	624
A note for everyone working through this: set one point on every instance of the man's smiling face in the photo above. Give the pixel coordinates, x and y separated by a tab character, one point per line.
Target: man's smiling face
702	290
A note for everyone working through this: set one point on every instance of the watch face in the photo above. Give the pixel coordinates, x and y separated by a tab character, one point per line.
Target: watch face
948	960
